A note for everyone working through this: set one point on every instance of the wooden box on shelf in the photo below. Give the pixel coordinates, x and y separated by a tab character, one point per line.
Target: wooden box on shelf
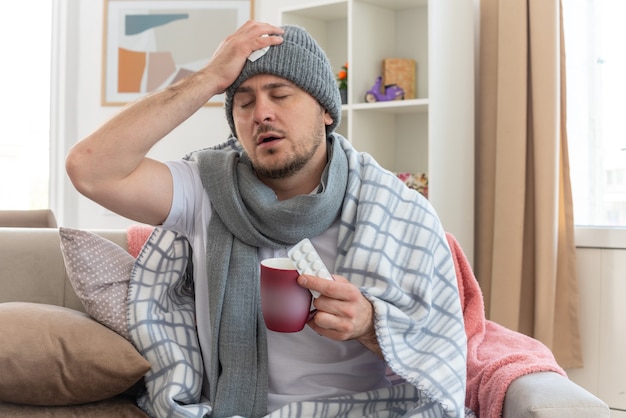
403	72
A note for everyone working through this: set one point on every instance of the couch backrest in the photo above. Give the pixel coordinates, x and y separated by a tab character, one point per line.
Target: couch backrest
32	267
41	218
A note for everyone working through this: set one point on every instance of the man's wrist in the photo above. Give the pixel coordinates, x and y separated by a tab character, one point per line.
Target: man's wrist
370	341
369	338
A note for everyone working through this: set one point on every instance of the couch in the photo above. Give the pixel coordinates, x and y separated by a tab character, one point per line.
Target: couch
33	274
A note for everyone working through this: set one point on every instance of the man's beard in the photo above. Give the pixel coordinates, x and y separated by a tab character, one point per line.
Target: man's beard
290	168
296	161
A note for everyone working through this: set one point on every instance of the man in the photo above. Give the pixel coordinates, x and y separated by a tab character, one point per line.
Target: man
287	176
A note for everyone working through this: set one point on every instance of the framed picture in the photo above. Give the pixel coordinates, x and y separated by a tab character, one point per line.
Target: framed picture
150	44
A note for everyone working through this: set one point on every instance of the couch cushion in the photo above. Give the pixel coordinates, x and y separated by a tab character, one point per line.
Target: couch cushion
118	407
51	355
31	266
99	271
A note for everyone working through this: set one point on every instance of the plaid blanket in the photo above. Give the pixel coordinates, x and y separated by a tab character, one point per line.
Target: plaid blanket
391	245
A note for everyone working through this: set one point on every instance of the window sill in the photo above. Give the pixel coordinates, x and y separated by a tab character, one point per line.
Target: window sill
600	237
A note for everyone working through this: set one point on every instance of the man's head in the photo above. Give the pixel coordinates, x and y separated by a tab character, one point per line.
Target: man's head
300	60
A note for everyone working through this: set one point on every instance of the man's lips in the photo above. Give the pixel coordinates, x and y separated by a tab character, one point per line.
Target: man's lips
267	138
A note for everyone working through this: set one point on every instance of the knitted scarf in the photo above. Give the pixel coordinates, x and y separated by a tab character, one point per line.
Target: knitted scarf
247	215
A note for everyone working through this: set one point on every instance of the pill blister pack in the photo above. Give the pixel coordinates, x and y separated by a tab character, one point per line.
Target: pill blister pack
308	261
255	55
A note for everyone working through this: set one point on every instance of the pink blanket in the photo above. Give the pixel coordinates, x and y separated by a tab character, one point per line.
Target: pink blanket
495	355
136	236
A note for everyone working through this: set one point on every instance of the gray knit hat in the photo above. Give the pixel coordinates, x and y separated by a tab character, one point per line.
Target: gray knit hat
300	60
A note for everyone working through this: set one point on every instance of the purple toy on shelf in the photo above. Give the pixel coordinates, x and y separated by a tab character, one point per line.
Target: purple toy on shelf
391	92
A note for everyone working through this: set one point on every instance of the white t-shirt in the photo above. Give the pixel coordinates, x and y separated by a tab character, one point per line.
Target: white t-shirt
302	365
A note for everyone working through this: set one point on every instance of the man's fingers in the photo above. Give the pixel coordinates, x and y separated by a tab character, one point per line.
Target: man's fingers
323	286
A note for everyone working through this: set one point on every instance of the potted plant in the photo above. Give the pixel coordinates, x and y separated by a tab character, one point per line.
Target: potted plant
342	81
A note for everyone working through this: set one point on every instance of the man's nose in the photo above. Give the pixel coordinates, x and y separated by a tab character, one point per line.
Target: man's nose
263	110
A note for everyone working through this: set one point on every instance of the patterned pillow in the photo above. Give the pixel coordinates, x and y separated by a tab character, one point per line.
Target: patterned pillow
51	355
99	271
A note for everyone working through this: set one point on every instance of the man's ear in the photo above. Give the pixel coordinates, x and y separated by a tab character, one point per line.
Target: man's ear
328	119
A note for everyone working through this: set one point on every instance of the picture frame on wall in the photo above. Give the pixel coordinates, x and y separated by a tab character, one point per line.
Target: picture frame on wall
150	44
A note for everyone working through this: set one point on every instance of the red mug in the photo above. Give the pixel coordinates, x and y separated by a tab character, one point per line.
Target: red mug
285	304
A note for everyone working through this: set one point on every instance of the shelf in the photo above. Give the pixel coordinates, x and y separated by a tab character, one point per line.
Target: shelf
432	133
327	11
397	4
395	107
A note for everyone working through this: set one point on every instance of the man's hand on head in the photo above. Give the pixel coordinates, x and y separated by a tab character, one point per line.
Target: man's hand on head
231	54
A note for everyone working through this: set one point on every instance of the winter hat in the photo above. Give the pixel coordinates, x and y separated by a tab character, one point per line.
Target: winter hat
300	60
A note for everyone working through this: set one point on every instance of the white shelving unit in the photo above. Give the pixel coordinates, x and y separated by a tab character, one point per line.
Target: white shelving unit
433	133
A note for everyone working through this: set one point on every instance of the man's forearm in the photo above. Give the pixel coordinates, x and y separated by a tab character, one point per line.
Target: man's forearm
118	146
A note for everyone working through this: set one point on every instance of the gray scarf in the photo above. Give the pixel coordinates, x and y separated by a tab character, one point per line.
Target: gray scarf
247	215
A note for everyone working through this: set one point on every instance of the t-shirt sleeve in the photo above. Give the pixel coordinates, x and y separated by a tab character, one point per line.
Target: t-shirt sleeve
188	199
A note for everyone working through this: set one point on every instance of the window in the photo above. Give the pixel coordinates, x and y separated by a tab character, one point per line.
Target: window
596	125
25	119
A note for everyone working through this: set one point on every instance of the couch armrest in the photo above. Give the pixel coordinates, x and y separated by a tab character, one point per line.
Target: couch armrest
551	395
